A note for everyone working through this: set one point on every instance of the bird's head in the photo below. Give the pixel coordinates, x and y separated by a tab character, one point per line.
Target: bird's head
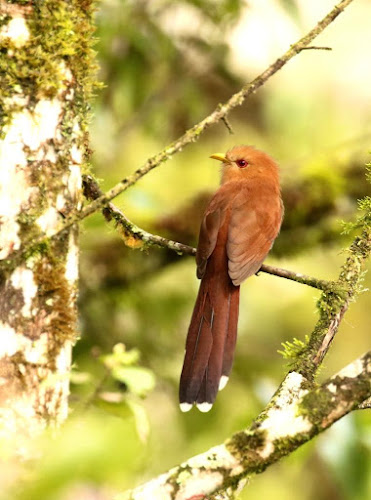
243	162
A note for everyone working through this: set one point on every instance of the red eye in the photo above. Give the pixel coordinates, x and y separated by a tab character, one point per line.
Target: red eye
241	163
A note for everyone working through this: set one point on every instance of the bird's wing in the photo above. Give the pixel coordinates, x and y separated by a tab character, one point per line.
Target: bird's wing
255	219
212	221
207	240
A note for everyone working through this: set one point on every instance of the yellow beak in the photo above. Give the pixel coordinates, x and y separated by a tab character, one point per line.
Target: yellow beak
220	157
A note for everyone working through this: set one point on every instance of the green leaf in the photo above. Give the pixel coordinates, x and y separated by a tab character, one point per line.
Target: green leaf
122	407
141	420
120	356
139	380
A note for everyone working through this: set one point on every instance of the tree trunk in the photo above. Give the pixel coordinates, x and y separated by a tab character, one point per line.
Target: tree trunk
45	67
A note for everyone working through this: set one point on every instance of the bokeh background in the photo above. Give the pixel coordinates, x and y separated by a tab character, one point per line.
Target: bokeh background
165	65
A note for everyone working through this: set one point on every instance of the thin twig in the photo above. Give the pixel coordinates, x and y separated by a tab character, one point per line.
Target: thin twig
133	235
314	47
298	277
193	134
227	124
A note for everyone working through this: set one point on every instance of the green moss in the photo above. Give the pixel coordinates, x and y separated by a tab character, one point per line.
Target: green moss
294	349
61	41
37	250
333	302
244	445
61	32
178	477
55	299
317	405
286	445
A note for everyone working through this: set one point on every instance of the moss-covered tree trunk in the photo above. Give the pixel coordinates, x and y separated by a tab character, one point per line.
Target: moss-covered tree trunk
45	63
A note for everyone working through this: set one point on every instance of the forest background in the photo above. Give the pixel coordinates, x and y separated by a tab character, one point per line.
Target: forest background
164	66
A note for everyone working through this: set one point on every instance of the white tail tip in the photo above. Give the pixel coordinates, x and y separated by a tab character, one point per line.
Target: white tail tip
204	407
184	407
223	382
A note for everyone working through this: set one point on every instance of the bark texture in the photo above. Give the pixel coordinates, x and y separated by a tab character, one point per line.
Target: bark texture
44	64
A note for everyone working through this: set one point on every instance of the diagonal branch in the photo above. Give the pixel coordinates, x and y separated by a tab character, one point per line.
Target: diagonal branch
294	415
135	237
191	135
332	305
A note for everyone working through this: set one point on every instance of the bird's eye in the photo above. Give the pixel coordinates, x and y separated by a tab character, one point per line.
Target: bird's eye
241	163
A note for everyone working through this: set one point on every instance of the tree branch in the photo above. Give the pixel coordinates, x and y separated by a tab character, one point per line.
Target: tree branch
332	305
298	277
135	237
190	135
294	415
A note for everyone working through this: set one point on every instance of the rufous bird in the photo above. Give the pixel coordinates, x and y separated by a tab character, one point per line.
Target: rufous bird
238	229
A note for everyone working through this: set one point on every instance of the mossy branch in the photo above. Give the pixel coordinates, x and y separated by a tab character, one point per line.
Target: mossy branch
135	237
191	135
303	413
333	304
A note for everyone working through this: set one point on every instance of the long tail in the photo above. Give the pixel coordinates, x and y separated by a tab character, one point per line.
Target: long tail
211	337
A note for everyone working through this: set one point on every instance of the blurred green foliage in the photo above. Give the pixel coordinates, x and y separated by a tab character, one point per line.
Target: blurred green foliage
166	64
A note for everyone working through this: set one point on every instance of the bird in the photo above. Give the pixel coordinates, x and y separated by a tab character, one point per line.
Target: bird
238	229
